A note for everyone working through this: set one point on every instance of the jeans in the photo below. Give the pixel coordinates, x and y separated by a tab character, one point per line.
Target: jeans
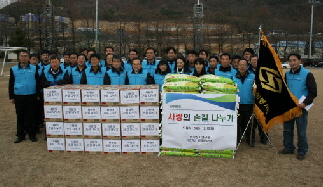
301	123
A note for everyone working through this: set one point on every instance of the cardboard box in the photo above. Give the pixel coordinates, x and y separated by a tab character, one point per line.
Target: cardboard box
111	146
149	131
52	96
149	114
130	146
110	95
110	114
74	145
129	113
72	113
93	146
55	129
130	130
56	144
149	95
73	130
92	130
91	113
111	131
129	95
71	96
91	96
53	113
150	146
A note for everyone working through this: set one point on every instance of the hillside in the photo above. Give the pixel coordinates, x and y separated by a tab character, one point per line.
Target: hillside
245	15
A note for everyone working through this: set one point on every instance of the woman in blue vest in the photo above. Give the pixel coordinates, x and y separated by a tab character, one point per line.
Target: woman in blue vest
160	73
76	72
94	75
181	66
115	75
54	74
199	67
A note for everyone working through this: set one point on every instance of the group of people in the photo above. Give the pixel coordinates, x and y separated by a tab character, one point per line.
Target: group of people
32	74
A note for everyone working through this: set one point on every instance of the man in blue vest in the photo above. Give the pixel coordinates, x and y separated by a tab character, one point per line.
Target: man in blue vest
301	83
76	72
150	64
24	93
225	69
133	53
244	81
54	74
115	75
138	76
94	75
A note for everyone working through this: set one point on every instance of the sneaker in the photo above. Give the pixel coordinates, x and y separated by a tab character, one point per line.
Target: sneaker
284	151
300	157
18	140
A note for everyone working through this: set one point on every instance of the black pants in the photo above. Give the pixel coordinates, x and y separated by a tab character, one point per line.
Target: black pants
245	112
26	110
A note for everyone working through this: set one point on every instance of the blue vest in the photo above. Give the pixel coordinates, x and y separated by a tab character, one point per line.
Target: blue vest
159	79
227	74
297	82
245	89
150	68
138	79
102	63
25	81
76	75
127	66
117	79
49	76
95	79
172	66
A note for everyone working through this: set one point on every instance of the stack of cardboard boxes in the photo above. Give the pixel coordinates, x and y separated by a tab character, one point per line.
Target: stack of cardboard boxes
102	119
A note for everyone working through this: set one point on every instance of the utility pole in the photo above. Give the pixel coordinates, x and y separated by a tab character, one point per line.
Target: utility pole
96	25
198	25
311	27
49	26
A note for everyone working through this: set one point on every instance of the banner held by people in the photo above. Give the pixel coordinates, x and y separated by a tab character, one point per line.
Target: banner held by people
274	103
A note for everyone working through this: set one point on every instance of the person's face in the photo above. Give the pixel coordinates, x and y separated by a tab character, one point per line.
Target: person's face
136	65
254	61
225	61
116	63
108	51
34	60
191	58
109	60
81	60
203	55
213	63
199	67
247	56
294	62
180	64
171	54
54	64
162	67
84	52
89	54
132	55
150	54
73	59
44	57
23	58
243	66
95	62
66	59
235	63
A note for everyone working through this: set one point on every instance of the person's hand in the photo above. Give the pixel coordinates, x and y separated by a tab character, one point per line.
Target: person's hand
12	101
302	105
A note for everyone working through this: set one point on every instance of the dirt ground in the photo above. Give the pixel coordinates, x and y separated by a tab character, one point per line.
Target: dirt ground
29	164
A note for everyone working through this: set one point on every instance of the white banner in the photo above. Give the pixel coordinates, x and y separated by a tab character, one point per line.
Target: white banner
199	121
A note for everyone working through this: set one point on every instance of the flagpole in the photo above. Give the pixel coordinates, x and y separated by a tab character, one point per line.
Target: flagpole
259	39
